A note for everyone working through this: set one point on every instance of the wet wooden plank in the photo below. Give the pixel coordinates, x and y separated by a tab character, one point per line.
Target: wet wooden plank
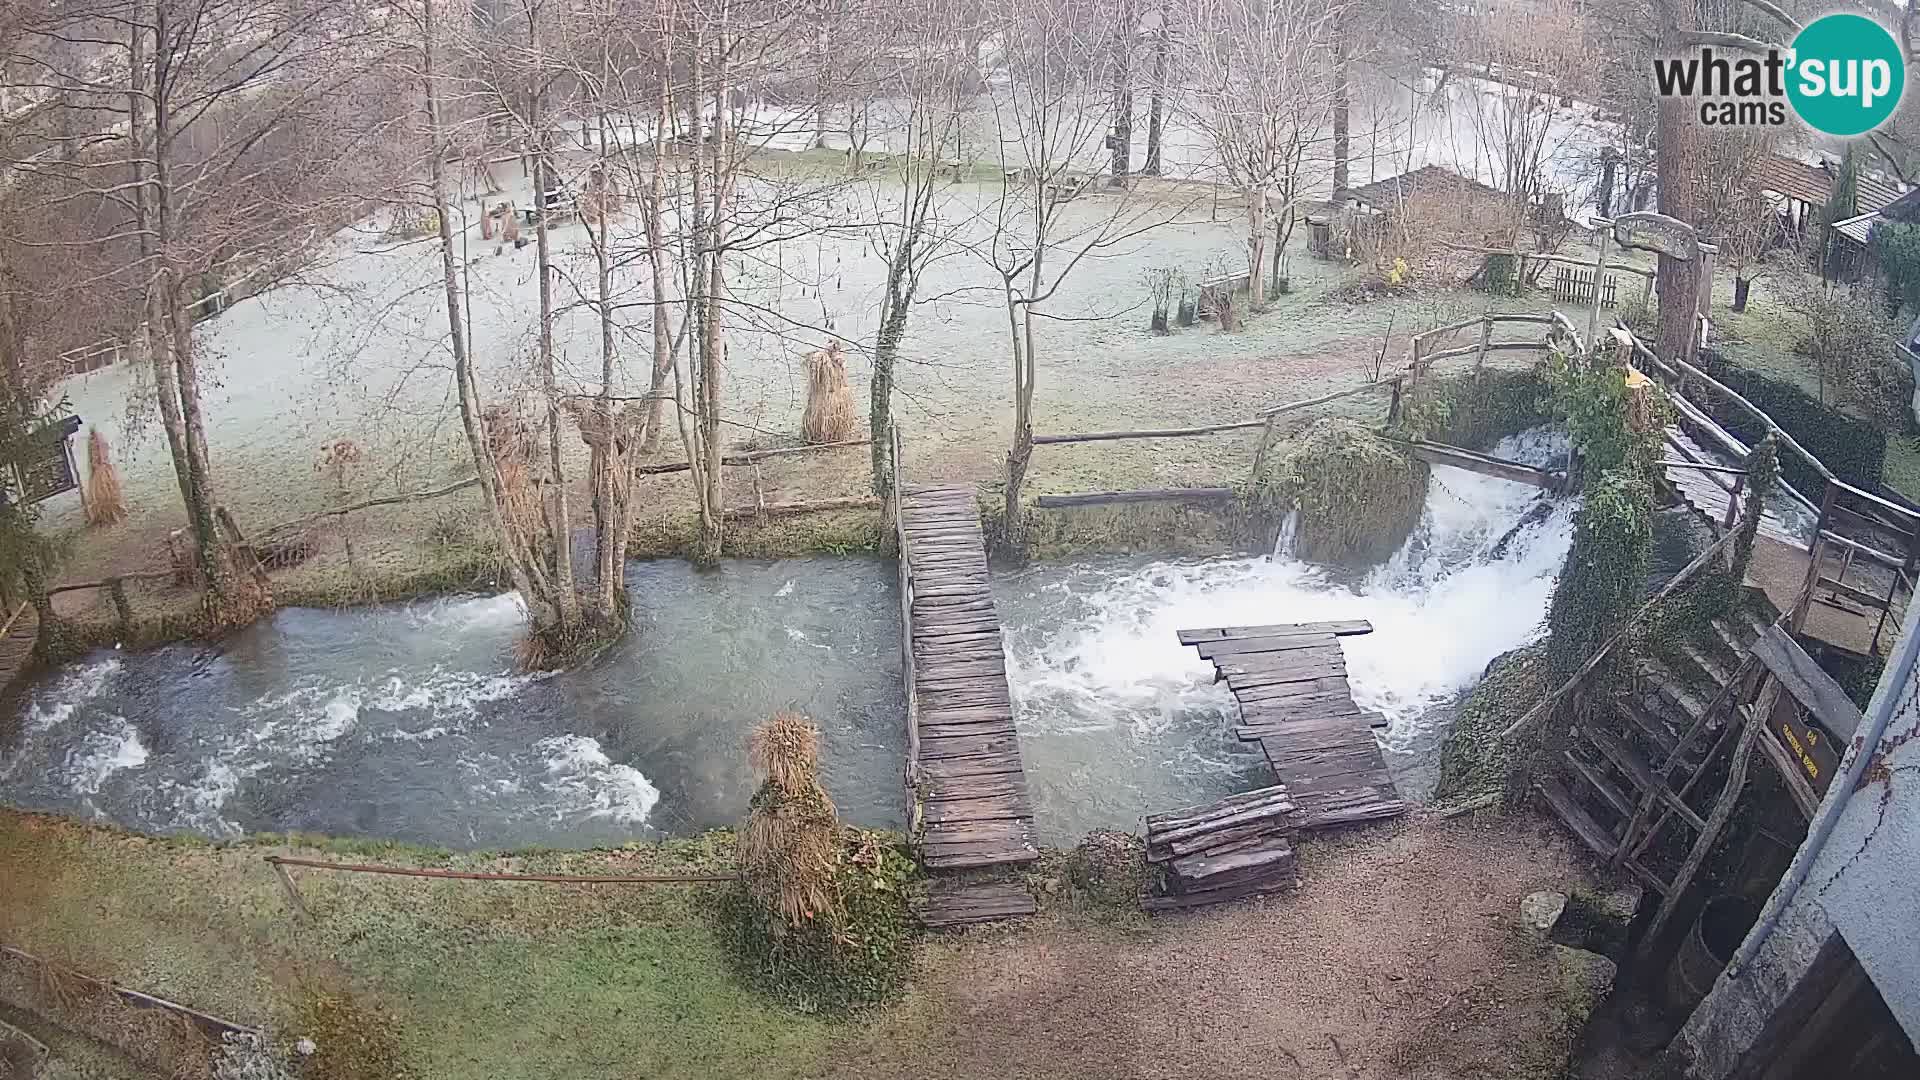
1340	627
952	903
1808	684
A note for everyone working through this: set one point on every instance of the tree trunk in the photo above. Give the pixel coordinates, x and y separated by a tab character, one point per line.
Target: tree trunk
1740	287
559	539
886	349
652	215
1156	103
1121	139
1673	154
1342	108
521	568
1256	248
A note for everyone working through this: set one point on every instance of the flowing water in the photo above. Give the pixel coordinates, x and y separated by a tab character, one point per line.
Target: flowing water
407	721
1117	719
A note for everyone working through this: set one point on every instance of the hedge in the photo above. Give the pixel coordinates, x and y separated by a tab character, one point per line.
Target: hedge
1854	449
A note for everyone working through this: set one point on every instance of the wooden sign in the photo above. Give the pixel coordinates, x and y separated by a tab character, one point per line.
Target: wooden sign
1808	746
1657	232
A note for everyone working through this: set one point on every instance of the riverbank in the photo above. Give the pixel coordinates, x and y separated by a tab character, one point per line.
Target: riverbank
1395	957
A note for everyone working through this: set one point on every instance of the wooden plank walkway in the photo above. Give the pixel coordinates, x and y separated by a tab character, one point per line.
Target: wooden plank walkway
1291	683
1711	493
971	806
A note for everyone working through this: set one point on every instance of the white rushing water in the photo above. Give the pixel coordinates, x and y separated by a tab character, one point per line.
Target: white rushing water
1472	582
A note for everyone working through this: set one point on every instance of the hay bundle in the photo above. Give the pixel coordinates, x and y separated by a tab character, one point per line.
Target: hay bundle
789	850
510	439
829	417
104	501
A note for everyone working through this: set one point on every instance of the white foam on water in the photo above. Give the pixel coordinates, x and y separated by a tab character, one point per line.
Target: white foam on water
585	782
53	706
475	613
104	753
784	590
1449	601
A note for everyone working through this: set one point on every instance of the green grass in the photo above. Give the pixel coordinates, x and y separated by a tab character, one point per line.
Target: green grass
1902	472
516	981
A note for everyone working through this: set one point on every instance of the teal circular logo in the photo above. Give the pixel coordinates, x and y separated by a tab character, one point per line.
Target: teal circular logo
1847	74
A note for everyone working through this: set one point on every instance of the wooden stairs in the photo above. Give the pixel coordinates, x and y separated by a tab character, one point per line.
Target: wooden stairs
1634	766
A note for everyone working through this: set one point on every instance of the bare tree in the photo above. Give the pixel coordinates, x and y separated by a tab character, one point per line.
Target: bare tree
1050	120
220	128
1257	74
936	84
1535	57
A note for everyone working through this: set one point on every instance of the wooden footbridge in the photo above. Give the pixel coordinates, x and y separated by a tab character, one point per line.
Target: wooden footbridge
970	807
1291	683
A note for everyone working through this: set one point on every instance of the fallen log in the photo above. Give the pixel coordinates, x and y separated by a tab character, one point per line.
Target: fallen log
1100	498
788	509
747	458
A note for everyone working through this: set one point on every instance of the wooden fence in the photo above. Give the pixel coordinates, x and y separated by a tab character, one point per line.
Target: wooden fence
1574	285
1423	355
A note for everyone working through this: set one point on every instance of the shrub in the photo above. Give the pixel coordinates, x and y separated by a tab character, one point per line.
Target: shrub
1641	313
857	955
1847	334
1108	869
821	918
1896	247
1853	449
1479	408
1474	761
1606	569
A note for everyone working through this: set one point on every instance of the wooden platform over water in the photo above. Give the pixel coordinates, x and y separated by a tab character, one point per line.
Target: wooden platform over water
971	807
1291	682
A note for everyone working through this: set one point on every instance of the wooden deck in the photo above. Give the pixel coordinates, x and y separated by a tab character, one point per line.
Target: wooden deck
1291	683
970	805
1711	493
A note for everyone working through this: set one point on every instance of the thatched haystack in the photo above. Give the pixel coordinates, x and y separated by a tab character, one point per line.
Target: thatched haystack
104	500
830	416
789	849
1359	495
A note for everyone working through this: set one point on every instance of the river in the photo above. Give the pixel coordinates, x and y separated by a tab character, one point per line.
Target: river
406	721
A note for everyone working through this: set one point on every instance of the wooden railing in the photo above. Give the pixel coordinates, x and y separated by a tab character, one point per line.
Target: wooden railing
896	487
1866	514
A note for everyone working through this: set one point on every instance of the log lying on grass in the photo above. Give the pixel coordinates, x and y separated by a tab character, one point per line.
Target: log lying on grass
1226	850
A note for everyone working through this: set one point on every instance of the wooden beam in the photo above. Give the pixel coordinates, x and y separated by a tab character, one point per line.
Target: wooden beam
1323	398
747	458
1103	498
1807	683
1337	627
1158	433
1441	454
1702	844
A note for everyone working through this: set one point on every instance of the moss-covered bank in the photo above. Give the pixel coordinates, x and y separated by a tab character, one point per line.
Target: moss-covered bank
1358	494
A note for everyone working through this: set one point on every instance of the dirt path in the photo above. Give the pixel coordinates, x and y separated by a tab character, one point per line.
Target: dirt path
1397	958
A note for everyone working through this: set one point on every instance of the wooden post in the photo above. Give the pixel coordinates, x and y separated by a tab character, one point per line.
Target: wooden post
1816	551
1393	406
1267	437
293	893
1486	339
117	590
1599	276
759	496
1733	501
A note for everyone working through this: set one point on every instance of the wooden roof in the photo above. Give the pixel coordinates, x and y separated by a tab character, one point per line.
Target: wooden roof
1428	179
1795	179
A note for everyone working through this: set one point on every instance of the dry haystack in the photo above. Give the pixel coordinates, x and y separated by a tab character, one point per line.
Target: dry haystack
790	846
104	500
510	439
829	417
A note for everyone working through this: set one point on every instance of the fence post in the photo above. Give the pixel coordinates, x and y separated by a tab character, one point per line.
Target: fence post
1486	339
293	892
1599	277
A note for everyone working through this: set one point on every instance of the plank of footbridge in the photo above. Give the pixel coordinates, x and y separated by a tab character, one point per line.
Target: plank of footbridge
1290	682
974	806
